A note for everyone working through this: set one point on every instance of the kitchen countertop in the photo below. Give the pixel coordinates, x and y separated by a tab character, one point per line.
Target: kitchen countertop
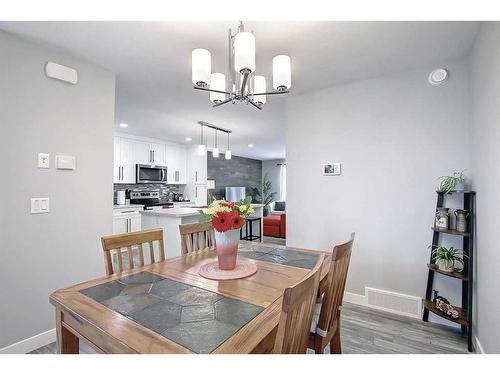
173	212
128	206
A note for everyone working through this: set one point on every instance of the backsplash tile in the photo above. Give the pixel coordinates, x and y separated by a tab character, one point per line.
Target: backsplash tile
164	189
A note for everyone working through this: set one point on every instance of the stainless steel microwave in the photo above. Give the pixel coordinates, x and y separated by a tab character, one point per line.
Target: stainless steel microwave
150	174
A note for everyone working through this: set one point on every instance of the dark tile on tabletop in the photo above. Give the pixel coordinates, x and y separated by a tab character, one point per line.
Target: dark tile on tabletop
104	291
136	289
167	288
235	312
201	337
129	303
194	296
196	313
158	317
141	278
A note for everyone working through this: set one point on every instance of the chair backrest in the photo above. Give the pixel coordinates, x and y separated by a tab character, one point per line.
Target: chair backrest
198	236
296	313
335	285
116	242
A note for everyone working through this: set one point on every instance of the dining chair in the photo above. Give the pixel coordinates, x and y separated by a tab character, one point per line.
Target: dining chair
197	236
296	313
325	326
115	243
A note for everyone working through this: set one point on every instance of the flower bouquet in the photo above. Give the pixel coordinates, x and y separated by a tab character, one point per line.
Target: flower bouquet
227	218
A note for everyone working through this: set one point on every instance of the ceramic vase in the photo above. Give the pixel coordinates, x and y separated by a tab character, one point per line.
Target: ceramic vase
227	248
446	266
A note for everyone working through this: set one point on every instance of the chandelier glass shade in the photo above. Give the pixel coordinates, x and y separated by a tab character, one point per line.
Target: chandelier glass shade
240	84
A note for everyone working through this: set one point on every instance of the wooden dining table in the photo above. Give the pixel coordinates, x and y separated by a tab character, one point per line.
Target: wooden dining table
167	307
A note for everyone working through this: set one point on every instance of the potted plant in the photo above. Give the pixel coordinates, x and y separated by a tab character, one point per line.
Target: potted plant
445	257
227	218
454	182
263	194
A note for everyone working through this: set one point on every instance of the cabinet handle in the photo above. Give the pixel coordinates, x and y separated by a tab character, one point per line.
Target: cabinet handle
154	156
196	192
196	176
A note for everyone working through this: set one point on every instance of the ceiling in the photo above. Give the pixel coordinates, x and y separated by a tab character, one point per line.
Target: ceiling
152	62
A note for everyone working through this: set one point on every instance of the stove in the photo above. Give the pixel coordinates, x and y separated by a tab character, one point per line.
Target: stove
149	198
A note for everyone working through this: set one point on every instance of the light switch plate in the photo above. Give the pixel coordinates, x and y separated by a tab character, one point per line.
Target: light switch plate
43	160
40	205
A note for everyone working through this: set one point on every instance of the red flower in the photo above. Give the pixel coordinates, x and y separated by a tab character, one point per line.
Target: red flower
238	222
222	221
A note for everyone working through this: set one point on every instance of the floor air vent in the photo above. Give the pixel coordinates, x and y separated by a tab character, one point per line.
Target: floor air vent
397	303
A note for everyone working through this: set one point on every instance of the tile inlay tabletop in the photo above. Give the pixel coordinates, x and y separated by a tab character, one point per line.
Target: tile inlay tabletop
195	318
167	307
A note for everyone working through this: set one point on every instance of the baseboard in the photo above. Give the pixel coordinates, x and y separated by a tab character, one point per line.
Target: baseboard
356	299
31	343
477	345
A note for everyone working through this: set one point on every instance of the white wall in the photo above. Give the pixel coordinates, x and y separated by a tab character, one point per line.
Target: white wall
273	171
485	134
394	136
41	253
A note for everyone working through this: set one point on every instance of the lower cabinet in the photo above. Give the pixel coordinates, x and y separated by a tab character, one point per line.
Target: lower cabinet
126	223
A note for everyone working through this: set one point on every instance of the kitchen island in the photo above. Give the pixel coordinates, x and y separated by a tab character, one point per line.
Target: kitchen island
169	220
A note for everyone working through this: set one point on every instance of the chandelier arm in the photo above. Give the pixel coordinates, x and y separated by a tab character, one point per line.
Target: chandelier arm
205	89
271	93
244	82
223	102
255	105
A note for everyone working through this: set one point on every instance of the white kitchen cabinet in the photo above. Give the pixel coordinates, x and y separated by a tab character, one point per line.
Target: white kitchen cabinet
175	157
200	195
158	153
117	167
126	222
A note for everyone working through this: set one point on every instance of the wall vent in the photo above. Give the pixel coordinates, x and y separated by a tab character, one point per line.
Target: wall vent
397	303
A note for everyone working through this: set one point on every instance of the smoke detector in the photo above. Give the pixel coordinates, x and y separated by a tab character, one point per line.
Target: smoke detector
438	76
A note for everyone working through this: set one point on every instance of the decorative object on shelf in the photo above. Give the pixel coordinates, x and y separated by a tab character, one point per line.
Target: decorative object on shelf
227	218
442	218
202	148
442	304
445	257
244	86
461	220
263	194
454	182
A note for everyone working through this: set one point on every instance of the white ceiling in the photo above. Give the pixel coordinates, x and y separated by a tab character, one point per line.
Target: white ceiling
152	62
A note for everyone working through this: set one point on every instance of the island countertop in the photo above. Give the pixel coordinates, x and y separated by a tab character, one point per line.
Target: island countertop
173	212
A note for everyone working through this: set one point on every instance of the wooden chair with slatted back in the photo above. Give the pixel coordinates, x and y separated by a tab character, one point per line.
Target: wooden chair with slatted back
117	242
198	236
296	313
326	320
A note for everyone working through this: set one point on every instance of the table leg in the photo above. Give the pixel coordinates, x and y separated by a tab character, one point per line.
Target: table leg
67	342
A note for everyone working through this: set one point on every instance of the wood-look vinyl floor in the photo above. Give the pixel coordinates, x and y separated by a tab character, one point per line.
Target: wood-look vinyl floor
368	331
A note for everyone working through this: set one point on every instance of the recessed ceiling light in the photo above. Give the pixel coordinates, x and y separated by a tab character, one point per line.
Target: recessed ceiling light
438	76
188	139
123	125
250	145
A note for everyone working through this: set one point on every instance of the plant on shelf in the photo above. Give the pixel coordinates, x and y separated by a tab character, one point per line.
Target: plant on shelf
263	194
227	218
454	182
445	257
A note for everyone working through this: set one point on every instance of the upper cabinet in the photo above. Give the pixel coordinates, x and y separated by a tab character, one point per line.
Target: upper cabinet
129	151
196	166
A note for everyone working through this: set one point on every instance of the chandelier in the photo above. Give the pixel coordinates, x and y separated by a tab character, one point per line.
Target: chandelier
243	85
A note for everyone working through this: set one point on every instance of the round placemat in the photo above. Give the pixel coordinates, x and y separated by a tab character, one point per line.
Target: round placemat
243	269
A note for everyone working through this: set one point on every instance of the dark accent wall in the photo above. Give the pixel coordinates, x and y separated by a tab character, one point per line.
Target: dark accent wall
238	171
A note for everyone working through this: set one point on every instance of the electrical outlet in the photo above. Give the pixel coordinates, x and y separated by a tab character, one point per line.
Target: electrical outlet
43	160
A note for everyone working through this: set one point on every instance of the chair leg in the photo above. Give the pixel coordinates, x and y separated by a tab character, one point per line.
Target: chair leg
335	346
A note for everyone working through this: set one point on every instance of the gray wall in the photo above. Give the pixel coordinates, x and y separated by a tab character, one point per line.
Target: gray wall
394	136
485	133
235	172
44	252
273	171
